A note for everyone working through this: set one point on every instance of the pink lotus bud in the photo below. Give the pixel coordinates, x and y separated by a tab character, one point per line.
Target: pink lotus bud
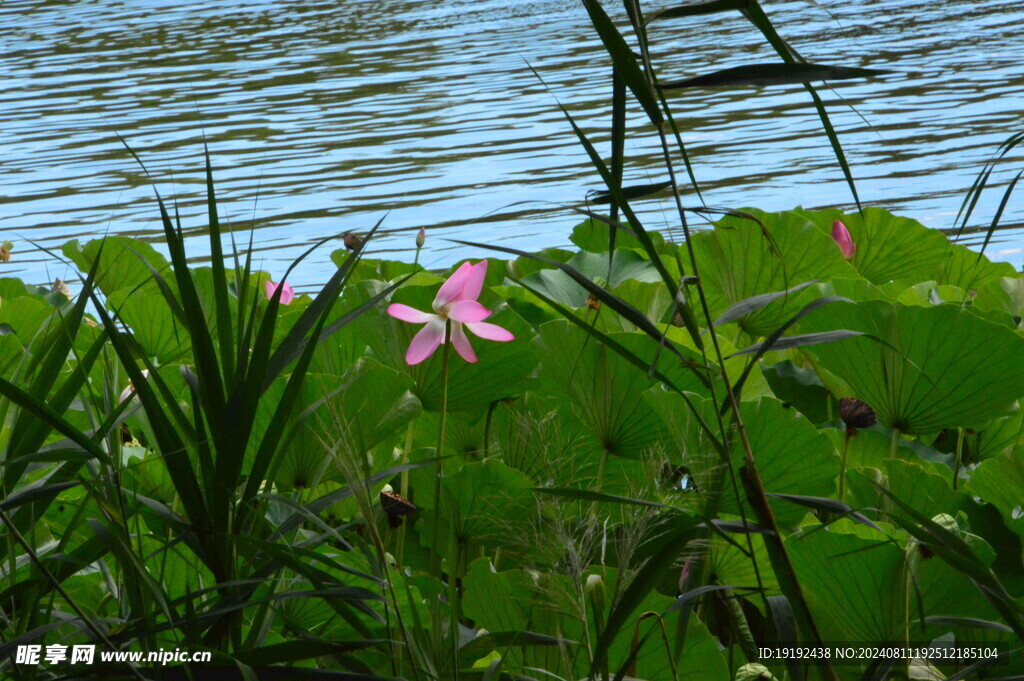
841	236
287	294
421	237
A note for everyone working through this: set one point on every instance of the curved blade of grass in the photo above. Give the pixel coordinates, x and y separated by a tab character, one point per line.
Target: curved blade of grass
955	551
665	549
206	362
509	639
623	60
636	191
970	201
755	303
772	74
825	505
225	335
626	354
755	14
694	595
998	216
697	9
801	340
622	202
588	495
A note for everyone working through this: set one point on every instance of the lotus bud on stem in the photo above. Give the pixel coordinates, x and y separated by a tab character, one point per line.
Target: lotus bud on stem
841	235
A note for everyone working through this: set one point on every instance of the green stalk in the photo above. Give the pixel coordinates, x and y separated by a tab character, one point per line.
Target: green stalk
894	444
842	467
404	491
959	455
435	539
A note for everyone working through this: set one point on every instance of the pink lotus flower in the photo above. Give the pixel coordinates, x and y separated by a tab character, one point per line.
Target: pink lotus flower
287	293
841	236
456	303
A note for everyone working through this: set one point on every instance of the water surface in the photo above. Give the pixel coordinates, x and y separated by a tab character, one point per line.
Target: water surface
323	117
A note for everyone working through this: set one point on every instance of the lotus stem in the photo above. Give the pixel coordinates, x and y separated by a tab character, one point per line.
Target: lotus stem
435	539
842	466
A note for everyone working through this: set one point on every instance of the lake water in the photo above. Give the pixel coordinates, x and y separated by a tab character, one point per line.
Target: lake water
323	116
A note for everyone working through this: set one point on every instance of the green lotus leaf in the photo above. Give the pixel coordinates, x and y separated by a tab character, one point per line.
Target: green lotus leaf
369	405
540	437
792	456
604	389
483	503
1000	436
11	288
625	265
154	326
524	266
121	268
889	247
854	584
929	293
926	368
11	354
593	236
969	270
739	259
1000	481
26	318
800	388
651	299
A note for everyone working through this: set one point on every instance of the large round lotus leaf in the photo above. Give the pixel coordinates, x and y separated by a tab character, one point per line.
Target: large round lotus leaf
740	259
625	265
157	331
484	503
1000	481
501	369
345	417
604	388
935	367
854	584
793	457
889	247
968	270
593	236
121	266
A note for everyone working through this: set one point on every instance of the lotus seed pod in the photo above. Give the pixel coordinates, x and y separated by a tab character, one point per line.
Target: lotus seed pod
754	672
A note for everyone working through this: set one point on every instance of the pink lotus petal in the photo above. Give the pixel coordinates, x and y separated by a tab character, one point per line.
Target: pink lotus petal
841	235
490	331
287	293
461	344
425	342
474	281
468	311
409	314
451	290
